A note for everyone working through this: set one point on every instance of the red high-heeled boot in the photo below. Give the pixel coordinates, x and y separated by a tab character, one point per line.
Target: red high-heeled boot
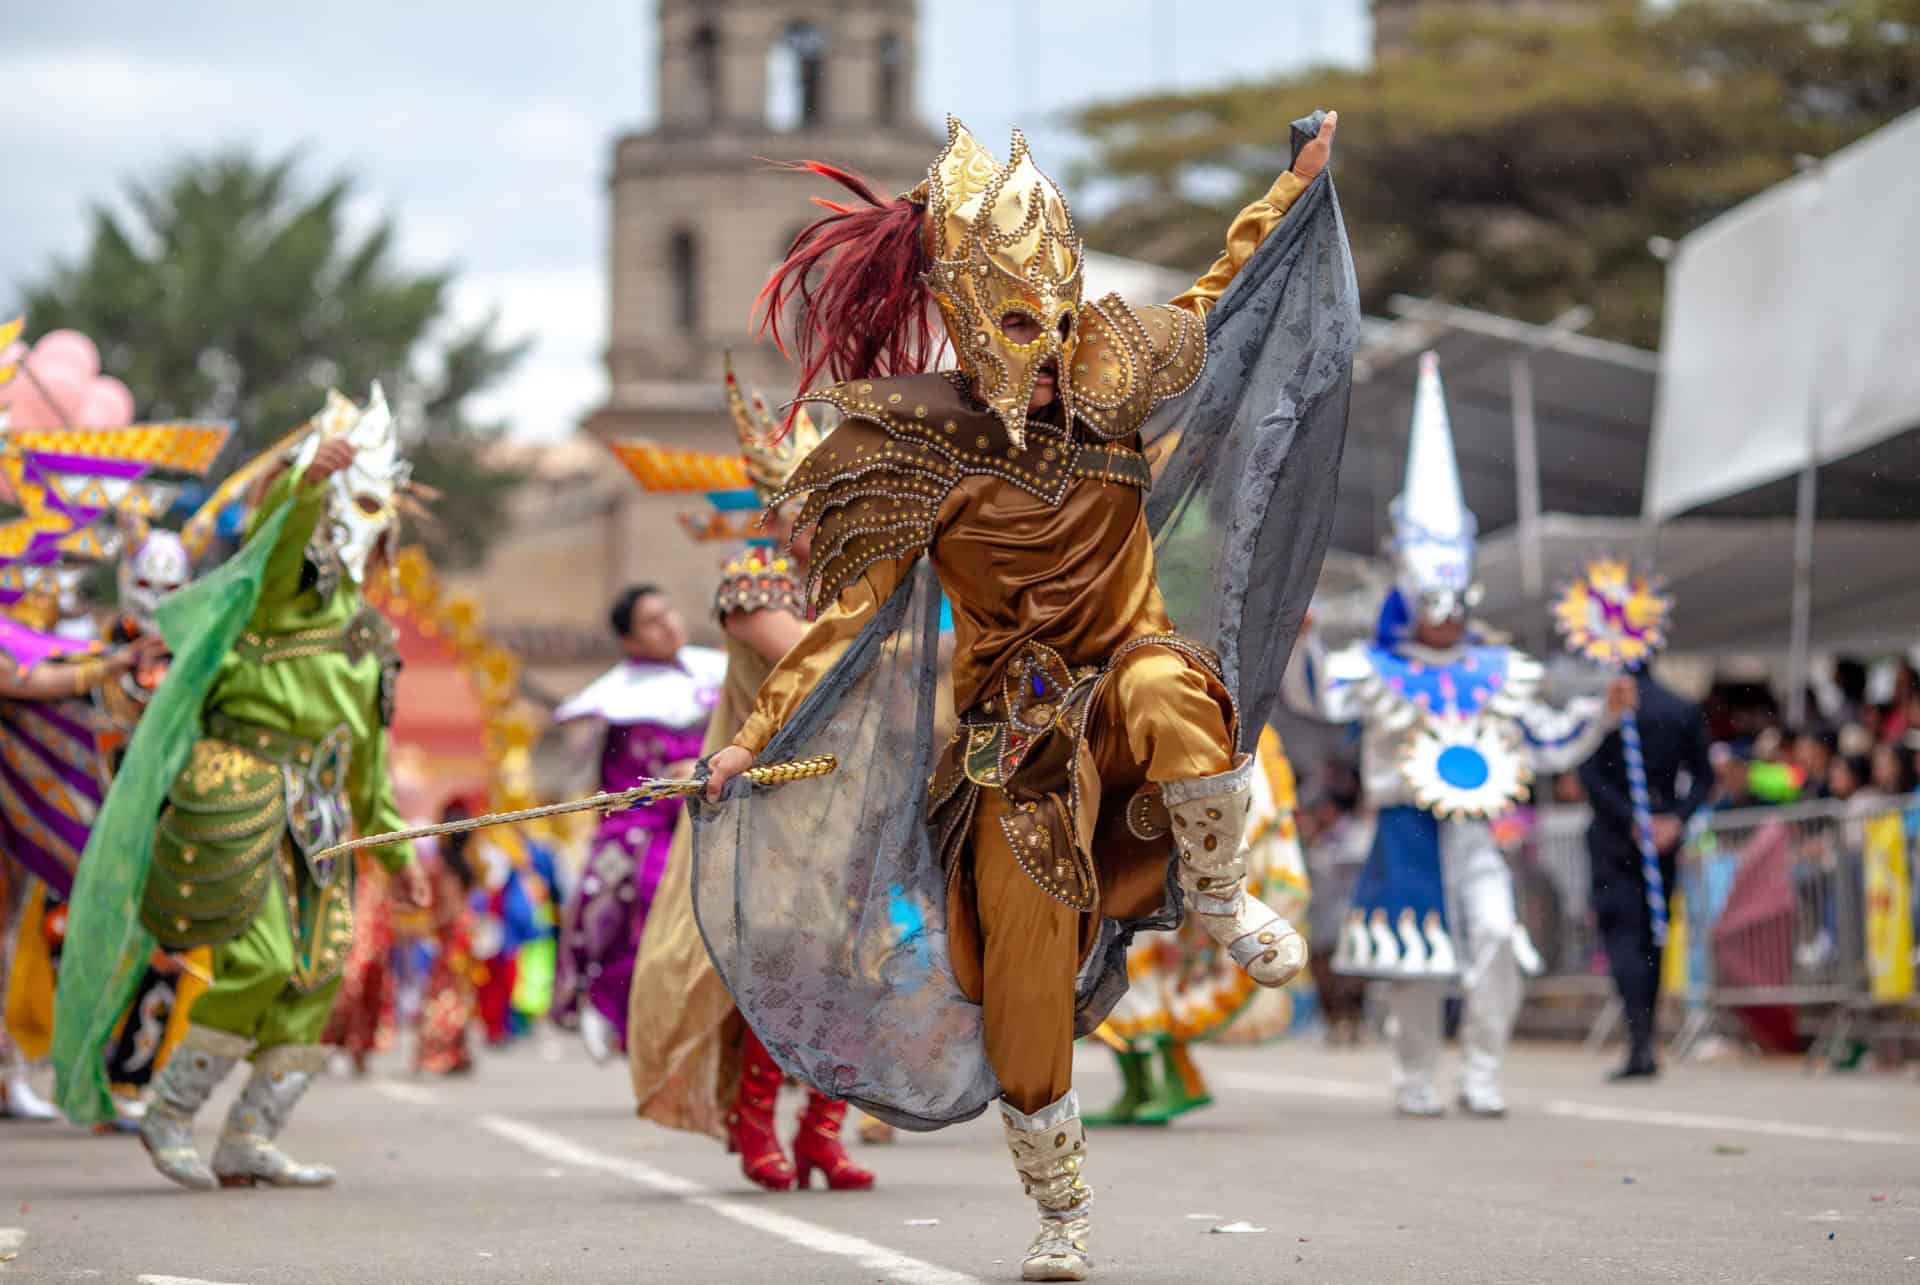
750	1132
818	1146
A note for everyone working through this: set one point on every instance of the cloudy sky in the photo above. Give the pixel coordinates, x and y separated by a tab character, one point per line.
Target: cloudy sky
485	127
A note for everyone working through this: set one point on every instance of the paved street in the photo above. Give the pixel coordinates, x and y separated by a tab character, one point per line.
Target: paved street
534	1170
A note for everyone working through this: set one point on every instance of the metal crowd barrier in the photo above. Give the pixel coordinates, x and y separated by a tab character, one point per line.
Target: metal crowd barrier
1774	913
1777	917
1770	922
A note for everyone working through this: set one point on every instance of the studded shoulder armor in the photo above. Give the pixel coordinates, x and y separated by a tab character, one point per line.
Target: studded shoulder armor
760	580
1129	360
875	486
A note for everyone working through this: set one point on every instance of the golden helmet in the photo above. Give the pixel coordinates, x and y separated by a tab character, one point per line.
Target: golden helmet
1001	239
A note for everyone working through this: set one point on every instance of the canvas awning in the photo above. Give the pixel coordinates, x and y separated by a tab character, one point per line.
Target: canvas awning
1792	328
1591	399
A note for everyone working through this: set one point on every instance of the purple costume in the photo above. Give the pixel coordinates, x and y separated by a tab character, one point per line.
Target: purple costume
52	771
655	716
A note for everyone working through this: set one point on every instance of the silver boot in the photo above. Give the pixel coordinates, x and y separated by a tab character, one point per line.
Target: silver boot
1209	818
246	1154
18	1101
201	1061
1048	1148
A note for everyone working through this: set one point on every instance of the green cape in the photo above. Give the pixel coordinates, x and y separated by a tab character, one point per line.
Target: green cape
106	949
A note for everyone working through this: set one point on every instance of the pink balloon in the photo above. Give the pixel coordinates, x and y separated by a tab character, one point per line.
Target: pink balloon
12	355
66	350
31	407
105	403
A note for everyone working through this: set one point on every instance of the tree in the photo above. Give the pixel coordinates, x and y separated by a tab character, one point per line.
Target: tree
1525	164
235	291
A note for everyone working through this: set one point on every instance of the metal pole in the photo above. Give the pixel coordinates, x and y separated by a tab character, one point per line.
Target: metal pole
1526	482
1802	625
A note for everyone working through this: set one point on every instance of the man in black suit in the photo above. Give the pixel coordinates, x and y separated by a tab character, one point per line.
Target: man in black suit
1674	742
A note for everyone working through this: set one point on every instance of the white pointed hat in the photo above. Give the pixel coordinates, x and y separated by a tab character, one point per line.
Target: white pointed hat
1433	530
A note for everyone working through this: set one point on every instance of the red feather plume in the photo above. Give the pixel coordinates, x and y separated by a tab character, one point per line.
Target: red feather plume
859	276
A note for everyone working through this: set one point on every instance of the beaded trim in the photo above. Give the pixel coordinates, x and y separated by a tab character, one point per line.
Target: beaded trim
185	827
268	743
876	485
1147	815
367	634
177	900
1038	836
760	581
1132	359
1193	651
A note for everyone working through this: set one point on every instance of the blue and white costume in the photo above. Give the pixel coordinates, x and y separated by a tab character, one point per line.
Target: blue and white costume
1450	738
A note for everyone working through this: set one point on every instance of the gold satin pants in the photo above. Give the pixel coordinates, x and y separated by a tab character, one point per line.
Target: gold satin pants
1017	950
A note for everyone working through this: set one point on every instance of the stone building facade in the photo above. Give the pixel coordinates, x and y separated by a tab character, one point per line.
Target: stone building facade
697	220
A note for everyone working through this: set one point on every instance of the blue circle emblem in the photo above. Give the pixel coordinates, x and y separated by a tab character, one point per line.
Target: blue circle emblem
1462	767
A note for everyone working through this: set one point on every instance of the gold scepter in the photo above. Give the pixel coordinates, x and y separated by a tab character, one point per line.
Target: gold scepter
648	791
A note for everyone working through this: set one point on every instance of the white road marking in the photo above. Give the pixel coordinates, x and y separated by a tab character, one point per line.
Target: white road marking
11	1241
1348	1091
178	1280
889	1264
411	1094
1730	1123
1302	1086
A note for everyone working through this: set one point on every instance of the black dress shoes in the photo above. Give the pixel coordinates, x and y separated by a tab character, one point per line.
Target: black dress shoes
1640	1066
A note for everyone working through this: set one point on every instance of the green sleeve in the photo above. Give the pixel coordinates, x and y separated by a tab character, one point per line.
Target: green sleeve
374	810
306	503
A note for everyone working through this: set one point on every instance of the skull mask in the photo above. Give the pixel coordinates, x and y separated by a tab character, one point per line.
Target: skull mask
363	500
149	570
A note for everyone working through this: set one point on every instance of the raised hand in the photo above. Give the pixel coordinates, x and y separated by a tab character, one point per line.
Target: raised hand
723	767
1313	157
330	459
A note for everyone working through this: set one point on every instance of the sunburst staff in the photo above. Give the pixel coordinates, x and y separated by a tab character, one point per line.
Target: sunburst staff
1453	732
924	951
695	1064
265	744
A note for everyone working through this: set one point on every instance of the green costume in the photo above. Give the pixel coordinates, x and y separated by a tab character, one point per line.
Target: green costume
271	733
294	740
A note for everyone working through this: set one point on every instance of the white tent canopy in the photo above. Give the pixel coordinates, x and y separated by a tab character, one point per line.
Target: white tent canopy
1792	333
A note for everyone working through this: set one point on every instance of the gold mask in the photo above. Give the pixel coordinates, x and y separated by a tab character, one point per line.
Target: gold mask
770	457
1001	240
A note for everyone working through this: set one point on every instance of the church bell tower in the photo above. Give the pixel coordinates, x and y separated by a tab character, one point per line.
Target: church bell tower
699	219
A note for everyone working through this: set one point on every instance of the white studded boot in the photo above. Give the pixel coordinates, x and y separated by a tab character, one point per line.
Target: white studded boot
1209	819
246	1154
201	1060
1048	1148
